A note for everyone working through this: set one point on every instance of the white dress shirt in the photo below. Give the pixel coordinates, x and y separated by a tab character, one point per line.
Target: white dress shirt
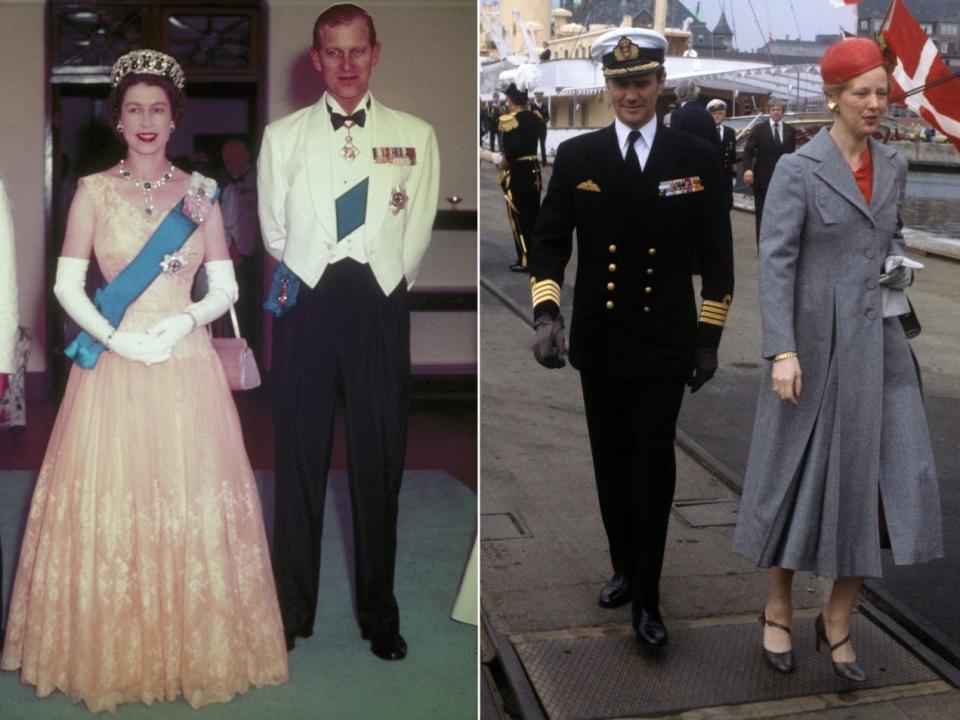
776	128
347	173
8	288
642	144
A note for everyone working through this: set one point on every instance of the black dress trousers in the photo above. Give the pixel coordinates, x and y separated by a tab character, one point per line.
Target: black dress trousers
759	196
346	337
632	424
523	184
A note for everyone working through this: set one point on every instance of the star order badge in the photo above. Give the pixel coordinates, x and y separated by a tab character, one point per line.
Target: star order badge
398	199
173	264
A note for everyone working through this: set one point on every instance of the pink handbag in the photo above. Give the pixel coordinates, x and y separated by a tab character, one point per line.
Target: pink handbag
239	364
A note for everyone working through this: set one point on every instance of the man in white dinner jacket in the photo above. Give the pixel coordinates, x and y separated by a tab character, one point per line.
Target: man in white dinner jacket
347	198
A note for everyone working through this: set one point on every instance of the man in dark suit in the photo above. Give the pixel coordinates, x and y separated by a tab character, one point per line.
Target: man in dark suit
728	145
767	142
493	121
520	130
639	196
691	117
539	105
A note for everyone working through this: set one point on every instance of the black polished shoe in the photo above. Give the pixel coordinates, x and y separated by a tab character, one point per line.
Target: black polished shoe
517	267
779	661
291	637
850	671
650	628
616	592
389	646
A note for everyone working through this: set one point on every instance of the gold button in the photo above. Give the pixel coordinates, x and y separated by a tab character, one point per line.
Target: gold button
610	286
648	290
652	251
611	267
649	271
646	308
609	304
612	248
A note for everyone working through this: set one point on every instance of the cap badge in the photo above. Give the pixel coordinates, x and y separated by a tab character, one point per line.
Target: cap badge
626	50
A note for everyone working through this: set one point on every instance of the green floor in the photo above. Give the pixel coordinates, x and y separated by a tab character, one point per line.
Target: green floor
333	674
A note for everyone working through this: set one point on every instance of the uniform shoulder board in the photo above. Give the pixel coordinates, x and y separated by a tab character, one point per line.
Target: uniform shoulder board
508	122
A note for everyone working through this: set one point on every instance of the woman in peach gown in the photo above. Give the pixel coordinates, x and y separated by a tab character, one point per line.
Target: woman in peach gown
144	572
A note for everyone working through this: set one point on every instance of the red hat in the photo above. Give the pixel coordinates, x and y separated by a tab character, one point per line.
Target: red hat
848	58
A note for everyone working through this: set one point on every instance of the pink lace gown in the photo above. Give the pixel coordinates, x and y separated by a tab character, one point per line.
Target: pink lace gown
144	572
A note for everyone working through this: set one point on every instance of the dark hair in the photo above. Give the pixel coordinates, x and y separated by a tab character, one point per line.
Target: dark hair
343	14
174	96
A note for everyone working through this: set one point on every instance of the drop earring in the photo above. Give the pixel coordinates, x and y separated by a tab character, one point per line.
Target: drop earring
120	128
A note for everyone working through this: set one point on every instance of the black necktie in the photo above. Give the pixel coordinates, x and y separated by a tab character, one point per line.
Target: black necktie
632	160
776	132
358	118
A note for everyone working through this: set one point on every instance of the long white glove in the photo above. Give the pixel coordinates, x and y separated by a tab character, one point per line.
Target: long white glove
69	289
221	294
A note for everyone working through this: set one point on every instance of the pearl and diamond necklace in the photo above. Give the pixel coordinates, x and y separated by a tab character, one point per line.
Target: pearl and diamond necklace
147	186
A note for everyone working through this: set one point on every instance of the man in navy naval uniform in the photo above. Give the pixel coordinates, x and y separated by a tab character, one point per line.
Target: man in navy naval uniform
348	192
519	177
643	199
728	145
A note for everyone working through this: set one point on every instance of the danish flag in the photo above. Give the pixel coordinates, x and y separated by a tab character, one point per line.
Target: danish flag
918	64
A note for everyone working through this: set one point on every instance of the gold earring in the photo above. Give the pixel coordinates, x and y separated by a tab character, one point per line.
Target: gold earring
831	106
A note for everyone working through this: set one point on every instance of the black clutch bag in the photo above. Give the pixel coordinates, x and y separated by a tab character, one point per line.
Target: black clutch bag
910	322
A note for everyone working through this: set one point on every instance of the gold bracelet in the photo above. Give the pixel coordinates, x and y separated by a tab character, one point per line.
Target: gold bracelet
784	356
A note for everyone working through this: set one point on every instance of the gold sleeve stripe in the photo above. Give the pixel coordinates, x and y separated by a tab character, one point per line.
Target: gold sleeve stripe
544	296
714	305
713	311
707	312
713	319
545	290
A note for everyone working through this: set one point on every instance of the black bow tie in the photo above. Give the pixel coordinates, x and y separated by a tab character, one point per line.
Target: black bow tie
338	120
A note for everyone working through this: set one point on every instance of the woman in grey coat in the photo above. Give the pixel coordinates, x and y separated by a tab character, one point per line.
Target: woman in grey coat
841	453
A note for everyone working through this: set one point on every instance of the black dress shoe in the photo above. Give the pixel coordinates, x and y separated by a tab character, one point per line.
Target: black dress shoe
389	646
650	628
851	671
616	592
517	267
779	661
291	640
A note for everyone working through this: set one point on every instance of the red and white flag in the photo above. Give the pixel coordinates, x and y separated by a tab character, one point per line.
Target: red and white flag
919	64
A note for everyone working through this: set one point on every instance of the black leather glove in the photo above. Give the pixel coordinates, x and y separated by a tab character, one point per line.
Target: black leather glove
548	348
704	367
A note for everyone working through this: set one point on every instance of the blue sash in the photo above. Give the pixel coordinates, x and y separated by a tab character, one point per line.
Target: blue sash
283	291
113	300
351	209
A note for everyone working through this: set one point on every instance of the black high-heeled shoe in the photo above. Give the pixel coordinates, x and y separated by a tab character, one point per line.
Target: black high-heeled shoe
779	661
847	670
